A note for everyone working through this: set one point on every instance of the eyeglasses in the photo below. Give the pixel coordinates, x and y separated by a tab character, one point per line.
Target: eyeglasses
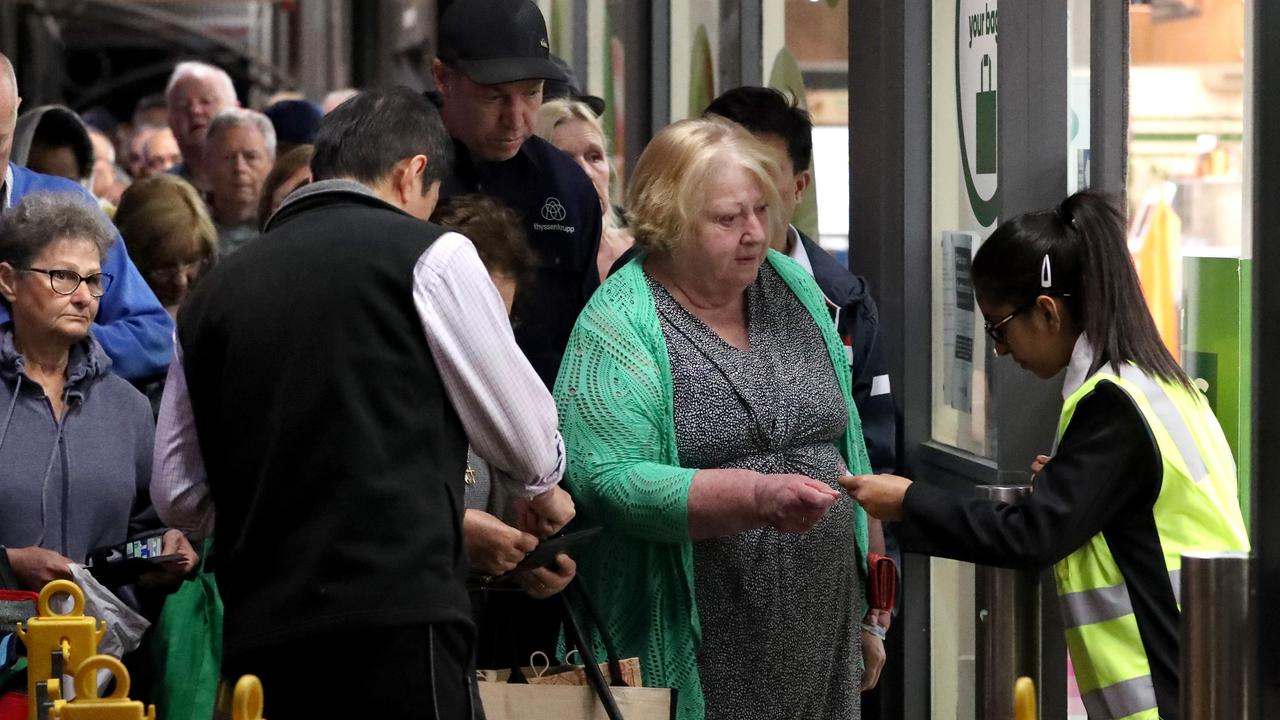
66	282
192	270
996	330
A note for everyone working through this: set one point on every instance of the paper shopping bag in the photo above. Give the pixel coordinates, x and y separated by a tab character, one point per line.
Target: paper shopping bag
508	701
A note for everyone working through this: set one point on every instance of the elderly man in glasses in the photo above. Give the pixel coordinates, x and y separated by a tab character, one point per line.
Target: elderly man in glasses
58	392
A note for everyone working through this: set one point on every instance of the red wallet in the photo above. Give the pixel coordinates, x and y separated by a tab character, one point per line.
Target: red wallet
883	579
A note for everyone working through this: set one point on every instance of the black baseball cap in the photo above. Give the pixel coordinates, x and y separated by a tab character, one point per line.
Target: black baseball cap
497	41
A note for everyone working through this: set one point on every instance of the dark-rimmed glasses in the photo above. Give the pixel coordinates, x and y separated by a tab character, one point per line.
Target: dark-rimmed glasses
996	330
66	282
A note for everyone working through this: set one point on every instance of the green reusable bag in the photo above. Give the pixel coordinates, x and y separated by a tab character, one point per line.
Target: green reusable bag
186	649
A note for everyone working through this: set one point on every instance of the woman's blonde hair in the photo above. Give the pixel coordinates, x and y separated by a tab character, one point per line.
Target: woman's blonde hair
668	189
555	113
159	211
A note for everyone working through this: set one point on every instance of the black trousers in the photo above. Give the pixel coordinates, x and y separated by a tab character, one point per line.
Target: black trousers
416	672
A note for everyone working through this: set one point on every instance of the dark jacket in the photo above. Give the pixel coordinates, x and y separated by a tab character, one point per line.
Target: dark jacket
334	457
561	216
858	322
82	483
1104	478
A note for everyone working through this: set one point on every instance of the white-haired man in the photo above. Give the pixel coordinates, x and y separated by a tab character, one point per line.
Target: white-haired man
238	153
196	93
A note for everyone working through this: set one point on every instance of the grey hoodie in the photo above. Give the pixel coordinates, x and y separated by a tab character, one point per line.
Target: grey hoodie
83	483
64	123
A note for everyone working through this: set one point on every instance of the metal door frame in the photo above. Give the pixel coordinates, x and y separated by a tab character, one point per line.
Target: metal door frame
1263	110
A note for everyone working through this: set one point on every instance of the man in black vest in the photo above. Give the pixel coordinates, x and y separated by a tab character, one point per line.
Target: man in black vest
328	380
493	58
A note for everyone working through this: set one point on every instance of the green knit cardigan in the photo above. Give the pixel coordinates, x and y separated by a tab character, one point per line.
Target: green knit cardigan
618	421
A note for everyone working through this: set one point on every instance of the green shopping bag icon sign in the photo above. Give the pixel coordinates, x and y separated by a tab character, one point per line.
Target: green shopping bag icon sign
985	130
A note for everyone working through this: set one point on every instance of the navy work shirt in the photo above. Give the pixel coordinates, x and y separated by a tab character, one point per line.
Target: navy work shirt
561	215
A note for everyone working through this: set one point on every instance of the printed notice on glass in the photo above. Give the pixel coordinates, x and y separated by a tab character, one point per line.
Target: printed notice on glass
958	319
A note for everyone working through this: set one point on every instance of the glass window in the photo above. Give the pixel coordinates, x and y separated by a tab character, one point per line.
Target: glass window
1187	162
965	197
964	205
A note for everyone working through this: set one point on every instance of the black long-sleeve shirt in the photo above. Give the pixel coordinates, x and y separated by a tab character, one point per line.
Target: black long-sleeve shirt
1104	478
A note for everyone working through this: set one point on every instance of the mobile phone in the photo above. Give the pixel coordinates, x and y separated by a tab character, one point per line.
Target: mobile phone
545	554
126	562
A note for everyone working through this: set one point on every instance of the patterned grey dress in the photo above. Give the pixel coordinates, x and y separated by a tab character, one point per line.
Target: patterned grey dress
779	635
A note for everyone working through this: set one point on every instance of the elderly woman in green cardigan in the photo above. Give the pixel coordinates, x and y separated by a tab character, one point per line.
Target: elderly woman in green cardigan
705	405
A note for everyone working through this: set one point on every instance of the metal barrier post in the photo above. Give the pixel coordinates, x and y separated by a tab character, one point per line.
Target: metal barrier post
1219	628
1008	625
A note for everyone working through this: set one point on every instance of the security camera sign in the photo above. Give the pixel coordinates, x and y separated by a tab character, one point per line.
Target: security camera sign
977	24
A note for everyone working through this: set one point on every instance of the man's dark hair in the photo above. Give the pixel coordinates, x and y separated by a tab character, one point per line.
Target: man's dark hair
364	137
765	111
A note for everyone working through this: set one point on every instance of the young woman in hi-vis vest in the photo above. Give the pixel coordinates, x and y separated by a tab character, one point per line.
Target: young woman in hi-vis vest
1141	471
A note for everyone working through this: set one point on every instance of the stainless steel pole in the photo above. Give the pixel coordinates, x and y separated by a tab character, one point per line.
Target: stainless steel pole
1219	629
1008	625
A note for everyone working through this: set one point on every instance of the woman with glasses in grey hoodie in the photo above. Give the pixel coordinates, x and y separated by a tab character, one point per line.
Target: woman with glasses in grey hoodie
75	439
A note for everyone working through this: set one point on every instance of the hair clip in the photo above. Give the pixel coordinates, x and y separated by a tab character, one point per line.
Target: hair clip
1046	273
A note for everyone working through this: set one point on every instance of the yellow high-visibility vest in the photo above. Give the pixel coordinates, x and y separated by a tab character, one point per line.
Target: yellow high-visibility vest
1197	509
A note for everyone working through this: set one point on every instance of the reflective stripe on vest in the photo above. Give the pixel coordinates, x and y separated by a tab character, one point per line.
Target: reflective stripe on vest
1086	607
1130	698
1197	509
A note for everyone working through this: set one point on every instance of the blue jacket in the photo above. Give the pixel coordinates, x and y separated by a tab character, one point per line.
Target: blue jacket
858	322
131	326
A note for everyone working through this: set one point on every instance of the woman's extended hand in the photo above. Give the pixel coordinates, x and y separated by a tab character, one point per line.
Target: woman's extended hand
793	503
494	547
36	567
542	583
880	495
873	657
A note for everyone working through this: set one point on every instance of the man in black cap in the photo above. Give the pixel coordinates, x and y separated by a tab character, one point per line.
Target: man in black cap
489	72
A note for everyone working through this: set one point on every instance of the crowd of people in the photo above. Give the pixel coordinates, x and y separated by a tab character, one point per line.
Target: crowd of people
361	346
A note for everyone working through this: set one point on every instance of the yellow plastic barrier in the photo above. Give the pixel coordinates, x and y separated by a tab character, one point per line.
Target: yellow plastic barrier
1024	699
89	706
246	702
74	636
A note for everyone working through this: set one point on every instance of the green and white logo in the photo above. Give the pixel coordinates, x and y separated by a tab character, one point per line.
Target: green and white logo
977	25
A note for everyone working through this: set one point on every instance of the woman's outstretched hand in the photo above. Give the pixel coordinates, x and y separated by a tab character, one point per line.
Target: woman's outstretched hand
793	503
880	495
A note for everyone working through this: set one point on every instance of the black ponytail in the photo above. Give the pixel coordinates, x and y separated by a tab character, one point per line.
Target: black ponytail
1090	267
